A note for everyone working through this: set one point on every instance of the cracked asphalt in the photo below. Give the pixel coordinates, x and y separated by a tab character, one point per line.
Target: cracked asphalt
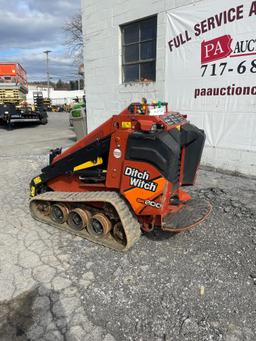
199	285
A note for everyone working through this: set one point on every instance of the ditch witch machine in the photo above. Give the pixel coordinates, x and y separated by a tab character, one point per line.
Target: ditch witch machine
124	177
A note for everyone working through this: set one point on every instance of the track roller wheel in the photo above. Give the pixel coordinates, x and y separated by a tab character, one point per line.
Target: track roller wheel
78	219
59	213
119	234
99	225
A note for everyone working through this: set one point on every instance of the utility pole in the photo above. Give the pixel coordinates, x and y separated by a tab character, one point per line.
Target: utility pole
47	71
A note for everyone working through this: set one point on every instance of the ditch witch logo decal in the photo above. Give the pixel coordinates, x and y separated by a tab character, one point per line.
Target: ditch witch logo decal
140	179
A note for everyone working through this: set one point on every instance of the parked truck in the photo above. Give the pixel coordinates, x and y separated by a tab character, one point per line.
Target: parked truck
13	90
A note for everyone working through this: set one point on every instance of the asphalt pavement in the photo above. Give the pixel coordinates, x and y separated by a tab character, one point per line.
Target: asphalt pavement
198	285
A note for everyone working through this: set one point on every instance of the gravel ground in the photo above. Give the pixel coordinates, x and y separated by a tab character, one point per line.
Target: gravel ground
199	285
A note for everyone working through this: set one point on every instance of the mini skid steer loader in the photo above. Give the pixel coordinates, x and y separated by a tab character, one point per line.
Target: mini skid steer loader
124	177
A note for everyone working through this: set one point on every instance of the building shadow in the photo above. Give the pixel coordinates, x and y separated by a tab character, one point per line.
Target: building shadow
159	235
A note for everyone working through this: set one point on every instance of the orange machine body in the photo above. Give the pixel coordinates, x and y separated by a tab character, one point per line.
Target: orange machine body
147	158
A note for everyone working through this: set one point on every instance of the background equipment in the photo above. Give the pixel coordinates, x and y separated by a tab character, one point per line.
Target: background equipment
13	90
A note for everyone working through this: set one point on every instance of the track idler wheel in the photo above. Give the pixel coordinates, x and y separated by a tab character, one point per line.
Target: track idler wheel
59	213
44	207
119	234
99	225
78	219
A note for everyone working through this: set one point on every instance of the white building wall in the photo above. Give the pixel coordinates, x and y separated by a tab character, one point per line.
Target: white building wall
105	93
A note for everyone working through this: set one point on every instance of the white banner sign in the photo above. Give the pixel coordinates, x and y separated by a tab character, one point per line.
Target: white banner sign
211	69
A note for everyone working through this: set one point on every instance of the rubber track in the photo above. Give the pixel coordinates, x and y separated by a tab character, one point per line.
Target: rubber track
129	221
